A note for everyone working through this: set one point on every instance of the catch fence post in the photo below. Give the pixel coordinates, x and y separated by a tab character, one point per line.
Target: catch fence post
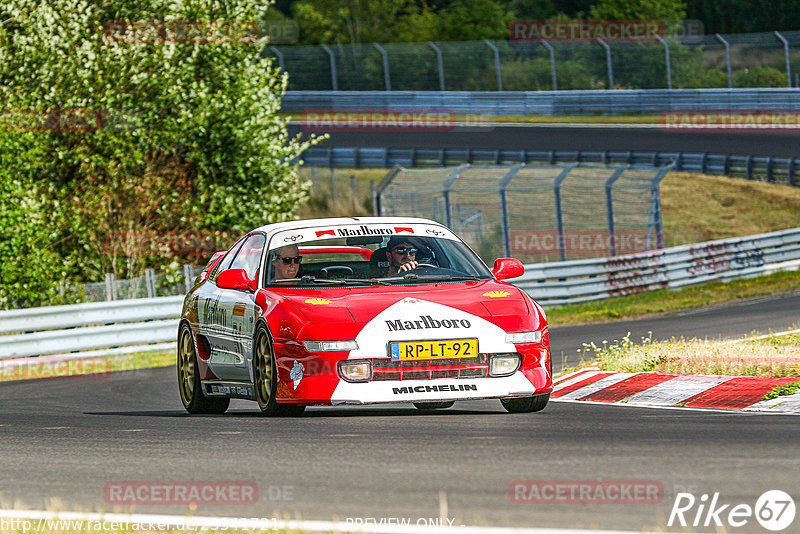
188	277
150	282
666	59
786	55
722	40
386	78
609	67
334	78
562	252
552	63
111	290
439	63
496	63
612	238
446	191
504	218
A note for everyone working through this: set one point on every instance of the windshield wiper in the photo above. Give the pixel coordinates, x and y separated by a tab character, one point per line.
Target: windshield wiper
435	277
308	279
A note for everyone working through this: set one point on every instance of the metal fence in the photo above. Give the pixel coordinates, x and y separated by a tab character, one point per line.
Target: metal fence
151	324
553	284
769	59
339	192
135	324
535	212
630	101
760	168
150	284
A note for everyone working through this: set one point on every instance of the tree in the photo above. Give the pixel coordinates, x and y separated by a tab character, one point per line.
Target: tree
165	125
473	20
639	10
362	21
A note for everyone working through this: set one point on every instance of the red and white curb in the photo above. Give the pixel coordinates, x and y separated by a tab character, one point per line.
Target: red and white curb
745	393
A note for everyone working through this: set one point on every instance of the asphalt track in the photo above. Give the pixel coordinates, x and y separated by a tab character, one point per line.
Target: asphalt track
66	439
592	138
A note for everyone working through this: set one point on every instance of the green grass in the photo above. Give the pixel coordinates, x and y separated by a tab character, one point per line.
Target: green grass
699	207
773	356
786	389
667	300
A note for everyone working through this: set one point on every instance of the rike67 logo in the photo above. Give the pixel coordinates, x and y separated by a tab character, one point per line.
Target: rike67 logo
774	510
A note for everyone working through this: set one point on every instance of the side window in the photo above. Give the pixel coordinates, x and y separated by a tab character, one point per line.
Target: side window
225	263
249	255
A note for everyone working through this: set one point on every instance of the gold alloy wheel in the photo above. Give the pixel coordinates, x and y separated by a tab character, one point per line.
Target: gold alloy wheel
264	369
186	368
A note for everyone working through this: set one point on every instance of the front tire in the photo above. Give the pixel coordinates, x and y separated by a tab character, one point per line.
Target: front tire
189	384
435	405
265	378
526	404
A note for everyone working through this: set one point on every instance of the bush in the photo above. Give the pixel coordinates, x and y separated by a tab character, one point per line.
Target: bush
123	133
759	77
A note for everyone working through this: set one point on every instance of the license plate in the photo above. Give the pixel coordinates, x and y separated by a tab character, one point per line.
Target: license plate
431	350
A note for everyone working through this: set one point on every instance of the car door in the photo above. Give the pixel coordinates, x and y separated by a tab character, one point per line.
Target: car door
239	308
215	310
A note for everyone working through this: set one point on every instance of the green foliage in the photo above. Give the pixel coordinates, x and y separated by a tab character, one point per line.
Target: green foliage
473	20
786	389
759	76
383	21
638	10
363	21
174	134
30	268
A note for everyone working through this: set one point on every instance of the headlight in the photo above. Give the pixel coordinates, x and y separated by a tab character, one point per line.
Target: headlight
524	337
355	370
504	364
329	346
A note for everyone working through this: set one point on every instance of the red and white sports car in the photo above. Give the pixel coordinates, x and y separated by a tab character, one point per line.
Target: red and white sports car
360	311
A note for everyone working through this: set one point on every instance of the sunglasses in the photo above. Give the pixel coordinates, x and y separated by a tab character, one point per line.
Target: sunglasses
288	260
402	250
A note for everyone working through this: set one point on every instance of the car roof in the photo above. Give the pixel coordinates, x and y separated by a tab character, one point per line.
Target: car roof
337	221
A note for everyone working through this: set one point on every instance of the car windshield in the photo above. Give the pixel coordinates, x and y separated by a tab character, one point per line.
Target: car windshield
360	255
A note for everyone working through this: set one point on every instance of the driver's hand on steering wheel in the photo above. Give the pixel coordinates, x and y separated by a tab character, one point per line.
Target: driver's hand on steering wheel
408	266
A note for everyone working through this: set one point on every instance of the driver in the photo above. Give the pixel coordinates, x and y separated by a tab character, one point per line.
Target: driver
401	254
286	262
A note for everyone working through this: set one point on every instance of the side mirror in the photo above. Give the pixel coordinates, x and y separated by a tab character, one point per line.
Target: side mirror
235	279
507	268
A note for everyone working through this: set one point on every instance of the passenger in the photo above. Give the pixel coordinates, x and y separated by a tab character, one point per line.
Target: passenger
286	262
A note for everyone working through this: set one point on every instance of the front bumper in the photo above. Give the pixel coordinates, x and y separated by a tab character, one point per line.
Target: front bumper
321	384
516	385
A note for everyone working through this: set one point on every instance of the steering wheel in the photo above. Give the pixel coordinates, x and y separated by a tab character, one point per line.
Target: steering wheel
337	271
418	266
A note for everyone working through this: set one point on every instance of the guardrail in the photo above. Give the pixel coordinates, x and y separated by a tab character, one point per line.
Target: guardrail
766	168
604	102
145	324
553	284
134	323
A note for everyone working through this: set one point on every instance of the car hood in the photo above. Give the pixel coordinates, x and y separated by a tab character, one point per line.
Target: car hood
485	299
